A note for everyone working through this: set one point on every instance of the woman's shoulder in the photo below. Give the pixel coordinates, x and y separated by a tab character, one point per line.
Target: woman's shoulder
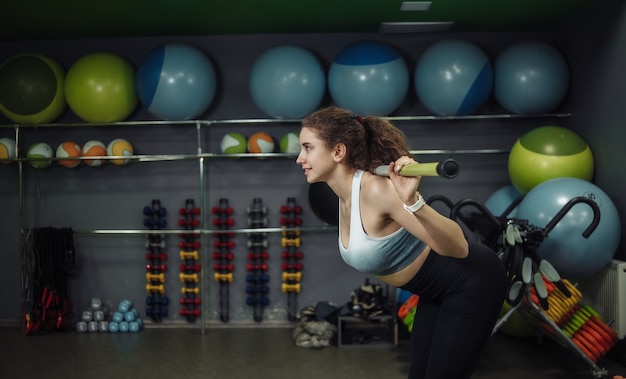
373	186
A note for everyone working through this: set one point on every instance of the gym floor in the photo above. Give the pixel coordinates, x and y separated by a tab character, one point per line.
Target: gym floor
259	353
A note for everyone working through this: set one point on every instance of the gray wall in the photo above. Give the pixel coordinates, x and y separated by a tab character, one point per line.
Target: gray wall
84	198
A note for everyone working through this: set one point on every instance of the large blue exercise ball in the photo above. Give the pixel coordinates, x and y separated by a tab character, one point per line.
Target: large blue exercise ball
368	78
530	78
287	82
503	198
176	82
574	256
453	78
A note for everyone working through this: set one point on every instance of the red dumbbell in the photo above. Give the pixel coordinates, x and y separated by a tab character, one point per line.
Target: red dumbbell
182	222
189	312
285	209
157	256
227	268
190	268
253	267
218	210
156	268
189	245
228	244
291	221
228	256
295	266
185	301
193	211
228	222
264	255
288	255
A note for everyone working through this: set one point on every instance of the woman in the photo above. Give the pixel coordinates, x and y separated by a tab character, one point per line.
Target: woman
386	229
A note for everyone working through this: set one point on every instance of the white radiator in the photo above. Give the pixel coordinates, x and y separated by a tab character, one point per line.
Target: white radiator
605	292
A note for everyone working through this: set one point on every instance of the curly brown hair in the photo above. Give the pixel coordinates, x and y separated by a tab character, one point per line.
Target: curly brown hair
371	141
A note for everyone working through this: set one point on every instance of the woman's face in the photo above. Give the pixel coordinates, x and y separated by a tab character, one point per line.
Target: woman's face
315	158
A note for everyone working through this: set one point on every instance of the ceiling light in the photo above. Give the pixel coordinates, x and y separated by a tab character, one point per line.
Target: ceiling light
415	5
415	27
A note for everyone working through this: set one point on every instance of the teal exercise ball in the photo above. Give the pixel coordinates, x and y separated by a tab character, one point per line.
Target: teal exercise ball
176	81
453	78
368	78
503	198
530	78
287	82
32	89
574	256
100	87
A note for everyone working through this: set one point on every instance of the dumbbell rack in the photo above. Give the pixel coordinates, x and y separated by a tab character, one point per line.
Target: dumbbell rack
223	256
190	268
156	256
291	255
257	289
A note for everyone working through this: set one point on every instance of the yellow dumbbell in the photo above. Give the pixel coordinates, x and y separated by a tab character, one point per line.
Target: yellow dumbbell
291	287
293	276
191	255
186	290
219	277
155	277
188	277
155	288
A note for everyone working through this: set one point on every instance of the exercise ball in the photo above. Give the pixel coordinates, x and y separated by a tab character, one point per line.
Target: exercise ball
531	77
260	142
324	203
100	87
549	152
7	149
368	78
453	78
68	149
39	154
32	89
498	202
287	82
574	256
290	143
176	82
234	143
93	148
120	147
517	325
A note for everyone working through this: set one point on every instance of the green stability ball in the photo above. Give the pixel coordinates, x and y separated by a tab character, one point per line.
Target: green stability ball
40	154
32	89
290	143
549	152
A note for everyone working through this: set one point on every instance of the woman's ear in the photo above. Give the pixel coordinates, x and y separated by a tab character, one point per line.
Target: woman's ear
339	152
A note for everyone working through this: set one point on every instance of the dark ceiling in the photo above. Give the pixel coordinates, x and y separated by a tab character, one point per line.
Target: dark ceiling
68	19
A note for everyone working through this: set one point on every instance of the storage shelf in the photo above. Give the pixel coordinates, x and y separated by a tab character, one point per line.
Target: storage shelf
320	229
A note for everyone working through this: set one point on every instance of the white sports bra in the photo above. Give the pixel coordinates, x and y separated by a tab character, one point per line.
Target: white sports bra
376	255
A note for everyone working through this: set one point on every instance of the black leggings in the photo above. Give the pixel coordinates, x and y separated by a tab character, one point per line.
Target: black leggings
459	303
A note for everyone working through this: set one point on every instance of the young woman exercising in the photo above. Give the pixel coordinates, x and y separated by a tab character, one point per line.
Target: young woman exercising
386	229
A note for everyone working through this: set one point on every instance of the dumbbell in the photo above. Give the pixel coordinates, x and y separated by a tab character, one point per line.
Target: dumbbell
257	209
222	277
188	277
263	278
286	242
253	267
183	222
156	268
193	211
157	300
156	256
228	268
287	287
189	255
219	210
226	222
289	255
226	244
292	276
160	288
291	221
189	245
155	312
262	243
190	268
189	312
187	290
257	301
285	209
290	233
264	256
159	223
148	211
227	256
251	290
257	221
160	244
155	277
292	266
185	301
